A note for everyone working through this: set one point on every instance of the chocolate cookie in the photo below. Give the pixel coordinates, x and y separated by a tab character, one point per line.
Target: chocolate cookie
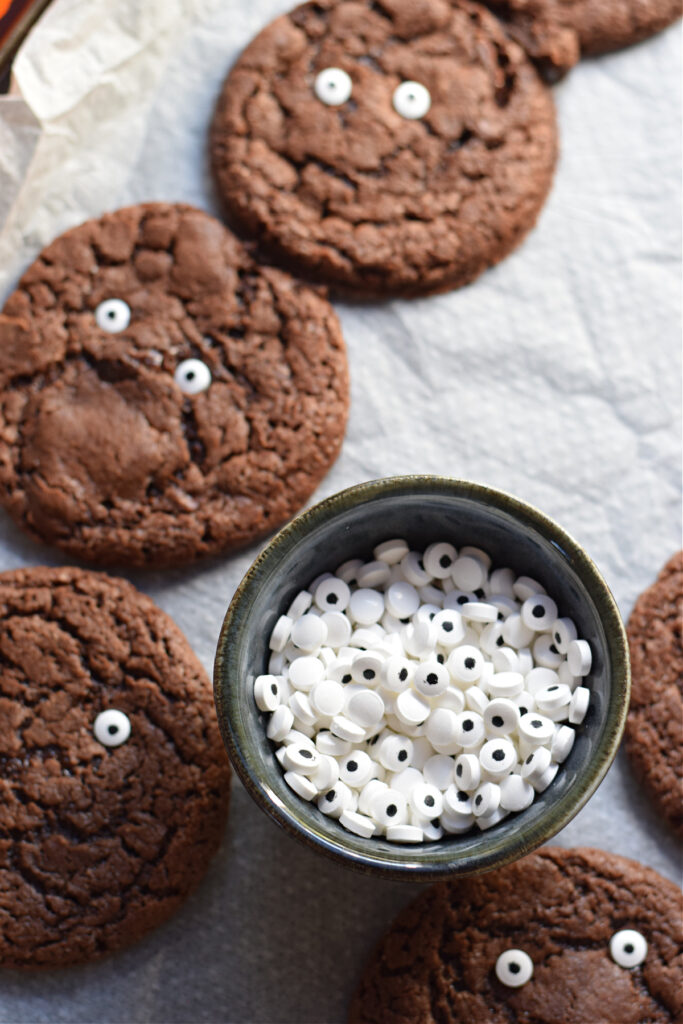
558	910
399	147
654	727
555	33
162	395
114	784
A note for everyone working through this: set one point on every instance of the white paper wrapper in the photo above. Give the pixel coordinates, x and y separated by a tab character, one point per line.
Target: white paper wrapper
555	376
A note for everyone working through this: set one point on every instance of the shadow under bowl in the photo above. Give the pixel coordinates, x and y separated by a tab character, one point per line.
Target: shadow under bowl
421	509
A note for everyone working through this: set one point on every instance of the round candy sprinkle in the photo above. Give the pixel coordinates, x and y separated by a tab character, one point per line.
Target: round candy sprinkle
411	100
113	315
111	727
333	86
628	948
514	968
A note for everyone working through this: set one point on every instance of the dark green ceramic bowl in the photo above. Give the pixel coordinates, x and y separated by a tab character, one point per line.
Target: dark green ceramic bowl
421	509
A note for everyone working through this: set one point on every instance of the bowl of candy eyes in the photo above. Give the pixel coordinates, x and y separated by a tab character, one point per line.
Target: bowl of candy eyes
422	676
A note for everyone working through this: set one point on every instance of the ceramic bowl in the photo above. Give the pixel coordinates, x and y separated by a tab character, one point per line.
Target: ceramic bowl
421	509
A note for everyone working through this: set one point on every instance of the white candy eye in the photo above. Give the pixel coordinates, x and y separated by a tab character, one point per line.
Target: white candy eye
628	948
514	968
192	376
333	86
113	315
112	728
411	100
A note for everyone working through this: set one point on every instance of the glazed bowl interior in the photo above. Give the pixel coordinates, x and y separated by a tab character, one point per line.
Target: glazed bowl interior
421	510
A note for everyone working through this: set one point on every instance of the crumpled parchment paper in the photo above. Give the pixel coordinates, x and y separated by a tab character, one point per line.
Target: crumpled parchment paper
555	376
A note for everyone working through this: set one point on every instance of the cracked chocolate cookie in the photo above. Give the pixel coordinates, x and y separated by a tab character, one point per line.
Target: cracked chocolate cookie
560	937
162	395
399	147
114	783
654	727
556	33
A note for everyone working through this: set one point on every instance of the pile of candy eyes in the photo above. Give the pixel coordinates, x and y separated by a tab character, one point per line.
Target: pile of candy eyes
416	695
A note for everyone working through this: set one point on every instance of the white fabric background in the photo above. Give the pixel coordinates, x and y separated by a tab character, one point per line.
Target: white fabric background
555	376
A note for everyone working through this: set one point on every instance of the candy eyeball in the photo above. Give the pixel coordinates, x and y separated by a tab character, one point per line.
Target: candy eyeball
628	948
192	376
113	315
333	86
514	968
411	100
111	727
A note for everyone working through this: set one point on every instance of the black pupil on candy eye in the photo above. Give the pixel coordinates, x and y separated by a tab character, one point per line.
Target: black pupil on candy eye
439	658
391	810
536	724
331	795
498	755
551	688
368	673
462	599
189	374
346	678
352	766
470	663
468	725
306	753
273	688
557	638
529	759
628	948
435	823
500	642
112	729
444	561
111	314
478	801
458	770
513	967
497	721
432	679
332	598
429	801
479	593
522	711
538	611
447	626
402	755
553	649
462	797
403	675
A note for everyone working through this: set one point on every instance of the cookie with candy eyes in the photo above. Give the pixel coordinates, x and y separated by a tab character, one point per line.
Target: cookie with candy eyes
654	727
556	33
561	937
162	395
114	784
385	148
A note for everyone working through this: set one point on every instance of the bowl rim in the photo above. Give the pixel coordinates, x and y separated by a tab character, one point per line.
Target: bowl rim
589	778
